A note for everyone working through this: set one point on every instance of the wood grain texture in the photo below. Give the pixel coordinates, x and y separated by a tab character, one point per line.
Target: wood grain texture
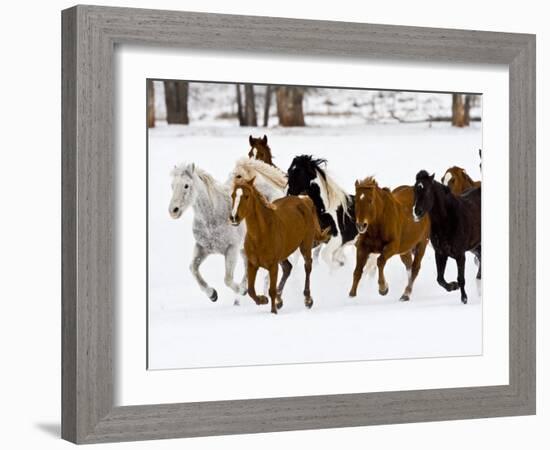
89	36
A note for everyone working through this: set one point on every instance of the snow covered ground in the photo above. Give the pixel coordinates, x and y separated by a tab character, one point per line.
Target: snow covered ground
187	330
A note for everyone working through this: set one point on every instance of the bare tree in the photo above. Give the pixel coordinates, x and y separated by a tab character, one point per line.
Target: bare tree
458	111
467	105
176	94
267	104
250	106
289	106
150	104
240	114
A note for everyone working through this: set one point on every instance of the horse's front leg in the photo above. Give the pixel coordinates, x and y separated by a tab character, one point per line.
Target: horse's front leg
306	253
361	260
441	263
460	263
273	271
251	271
199	255
388	251
287	268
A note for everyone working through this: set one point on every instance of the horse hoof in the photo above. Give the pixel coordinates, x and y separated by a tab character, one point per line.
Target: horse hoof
453	286
309	303
262	300
404	298
279	304
352	294
214	296
383	291
274	311
464	300
237	302
244	291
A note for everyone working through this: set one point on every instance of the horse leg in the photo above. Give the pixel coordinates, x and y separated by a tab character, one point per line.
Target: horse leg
408	261
231	256
388	251
419	251
243	283
273	287
477	252
287	268
330	249
316	252
441	263
251	272
306	253
199	255
361	260
460	263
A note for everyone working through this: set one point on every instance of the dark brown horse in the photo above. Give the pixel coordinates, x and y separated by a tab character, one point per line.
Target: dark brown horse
273	232
458	181
386	226
260	150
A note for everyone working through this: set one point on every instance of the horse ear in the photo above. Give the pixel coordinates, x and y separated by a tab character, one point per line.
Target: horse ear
264	140
192	168
356	183
432	176
251	140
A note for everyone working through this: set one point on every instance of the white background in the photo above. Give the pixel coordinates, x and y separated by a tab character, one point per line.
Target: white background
30	226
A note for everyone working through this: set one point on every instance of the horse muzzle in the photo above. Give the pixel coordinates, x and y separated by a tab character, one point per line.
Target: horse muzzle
175	212
417	215
361	227
234	220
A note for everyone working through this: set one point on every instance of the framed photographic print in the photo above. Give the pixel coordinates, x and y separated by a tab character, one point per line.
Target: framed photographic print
268	230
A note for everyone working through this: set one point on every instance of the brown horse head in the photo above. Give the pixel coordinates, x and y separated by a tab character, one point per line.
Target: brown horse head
260	150
366	196
457	180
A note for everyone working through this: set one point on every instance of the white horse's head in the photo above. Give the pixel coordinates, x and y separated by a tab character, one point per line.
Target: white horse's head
184	189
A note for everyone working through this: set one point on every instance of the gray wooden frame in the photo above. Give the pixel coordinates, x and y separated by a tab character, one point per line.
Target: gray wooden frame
89	36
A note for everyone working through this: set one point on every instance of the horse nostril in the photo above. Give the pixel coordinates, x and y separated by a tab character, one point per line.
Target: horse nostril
175	210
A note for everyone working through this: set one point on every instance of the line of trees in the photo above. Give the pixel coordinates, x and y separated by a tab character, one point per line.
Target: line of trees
288	99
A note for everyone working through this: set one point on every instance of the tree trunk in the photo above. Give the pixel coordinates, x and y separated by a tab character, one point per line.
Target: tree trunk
467	105
150	104
175	95
249	106
267	104
458	111
240	114
289	106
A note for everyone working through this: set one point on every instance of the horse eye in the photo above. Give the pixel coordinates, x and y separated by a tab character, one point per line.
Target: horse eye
239	176
186	186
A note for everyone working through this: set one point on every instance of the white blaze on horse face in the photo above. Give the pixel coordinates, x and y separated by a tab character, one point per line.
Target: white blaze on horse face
238	195
362	196
254	153
447	178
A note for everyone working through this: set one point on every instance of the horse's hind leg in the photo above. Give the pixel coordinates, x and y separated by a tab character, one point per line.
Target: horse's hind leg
251	271
199	255
408	261
477	252
306	254
287	268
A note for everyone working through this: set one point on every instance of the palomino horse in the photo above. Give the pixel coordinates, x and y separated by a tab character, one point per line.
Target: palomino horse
455	225
458	180
335	208
385	226
211	202
260	150
269	180
273	232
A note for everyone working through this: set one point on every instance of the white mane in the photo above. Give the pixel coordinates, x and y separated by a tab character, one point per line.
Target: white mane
249	168
212	186
333	193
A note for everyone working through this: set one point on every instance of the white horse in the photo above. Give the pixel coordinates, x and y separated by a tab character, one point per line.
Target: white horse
269	180
211	202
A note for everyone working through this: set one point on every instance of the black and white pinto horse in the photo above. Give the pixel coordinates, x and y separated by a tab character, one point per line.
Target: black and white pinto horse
455	225
335	208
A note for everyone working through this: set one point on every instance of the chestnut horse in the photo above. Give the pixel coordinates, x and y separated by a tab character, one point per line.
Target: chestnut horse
260	150
273	232
386	226
458	181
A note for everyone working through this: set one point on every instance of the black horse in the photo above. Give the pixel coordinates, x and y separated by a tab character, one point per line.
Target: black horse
455	225
335	208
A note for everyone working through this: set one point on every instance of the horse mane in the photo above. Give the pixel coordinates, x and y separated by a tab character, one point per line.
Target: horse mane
212	186
261	197
367	182
336	196
272	174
